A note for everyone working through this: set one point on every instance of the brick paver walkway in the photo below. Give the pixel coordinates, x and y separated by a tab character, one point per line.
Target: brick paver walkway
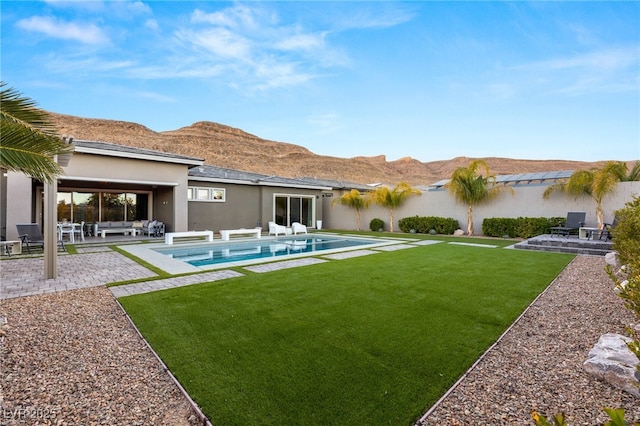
148	286
25	277
97	266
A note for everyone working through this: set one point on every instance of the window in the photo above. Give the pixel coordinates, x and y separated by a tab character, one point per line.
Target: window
97	206
294	208
195	193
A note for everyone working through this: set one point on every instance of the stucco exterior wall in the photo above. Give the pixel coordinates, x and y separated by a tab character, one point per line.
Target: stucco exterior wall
527	201
19	202
245	206
239	210
167	182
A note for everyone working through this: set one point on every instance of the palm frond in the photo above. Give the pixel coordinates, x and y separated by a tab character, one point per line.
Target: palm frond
28	140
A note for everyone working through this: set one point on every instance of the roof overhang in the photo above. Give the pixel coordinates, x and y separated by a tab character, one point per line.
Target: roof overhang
259	183
138	156
114	180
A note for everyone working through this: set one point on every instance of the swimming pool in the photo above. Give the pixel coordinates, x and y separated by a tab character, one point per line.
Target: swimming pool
262	249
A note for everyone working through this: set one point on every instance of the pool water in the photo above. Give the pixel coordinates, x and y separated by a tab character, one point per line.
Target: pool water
213	254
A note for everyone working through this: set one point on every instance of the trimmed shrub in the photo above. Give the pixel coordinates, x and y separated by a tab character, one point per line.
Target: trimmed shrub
376	224
521	227
424	224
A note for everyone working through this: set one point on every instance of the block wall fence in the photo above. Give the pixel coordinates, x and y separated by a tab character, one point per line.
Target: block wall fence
526	201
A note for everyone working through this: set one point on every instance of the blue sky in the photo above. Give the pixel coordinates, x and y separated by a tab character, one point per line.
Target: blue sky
428	80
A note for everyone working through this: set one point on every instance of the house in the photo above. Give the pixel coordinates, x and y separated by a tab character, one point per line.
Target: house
111	182
221	198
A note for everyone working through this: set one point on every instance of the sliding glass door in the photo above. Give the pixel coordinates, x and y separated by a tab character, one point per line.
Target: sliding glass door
294	208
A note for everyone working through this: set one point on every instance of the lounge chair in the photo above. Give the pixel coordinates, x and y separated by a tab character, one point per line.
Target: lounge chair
275	229
608	229
31	236
574	221
298	228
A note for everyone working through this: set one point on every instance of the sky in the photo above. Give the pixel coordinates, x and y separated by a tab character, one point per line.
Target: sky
431	80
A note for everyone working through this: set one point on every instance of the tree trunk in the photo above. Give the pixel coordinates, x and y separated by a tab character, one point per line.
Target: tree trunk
358	218
599	215
390	220
470	220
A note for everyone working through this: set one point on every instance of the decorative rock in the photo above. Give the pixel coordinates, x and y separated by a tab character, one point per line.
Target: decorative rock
612	259
458	233
613	362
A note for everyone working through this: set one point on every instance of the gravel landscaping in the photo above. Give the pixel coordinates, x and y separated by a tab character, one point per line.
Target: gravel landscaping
73	358
537	365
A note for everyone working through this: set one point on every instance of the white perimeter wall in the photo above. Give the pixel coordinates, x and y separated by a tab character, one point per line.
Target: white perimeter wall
527	201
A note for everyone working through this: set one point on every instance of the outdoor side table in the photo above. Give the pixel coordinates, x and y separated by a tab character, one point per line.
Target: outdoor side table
11	247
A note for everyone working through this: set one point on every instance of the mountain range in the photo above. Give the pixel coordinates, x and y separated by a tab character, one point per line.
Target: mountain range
233	148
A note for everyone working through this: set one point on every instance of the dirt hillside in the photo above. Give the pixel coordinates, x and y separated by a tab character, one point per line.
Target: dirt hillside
233	148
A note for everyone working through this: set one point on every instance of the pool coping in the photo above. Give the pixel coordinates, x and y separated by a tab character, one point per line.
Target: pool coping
147	252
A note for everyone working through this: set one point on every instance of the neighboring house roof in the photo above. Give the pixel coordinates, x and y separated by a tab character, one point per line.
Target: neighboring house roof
207	173
115	150
521	178
337	184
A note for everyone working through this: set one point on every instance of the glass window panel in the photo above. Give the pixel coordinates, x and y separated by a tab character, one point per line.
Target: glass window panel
307	211
64	206
112	206
295	209
131	200
85	207
203	194
281	211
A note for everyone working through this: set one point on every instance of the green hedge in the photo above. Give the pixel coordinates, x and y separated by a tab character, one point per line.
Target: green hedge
424	224
522	227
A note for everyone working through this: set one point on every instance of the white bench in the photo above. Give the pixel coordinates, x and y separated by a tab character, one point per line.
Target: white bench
169	236
226	233
125	231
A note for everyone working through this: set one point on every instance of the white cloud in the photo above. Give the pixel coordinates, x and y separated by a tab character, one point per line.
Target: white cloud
612	70
602	60
219	42
152	24
261	50
304	42
236	17
51	27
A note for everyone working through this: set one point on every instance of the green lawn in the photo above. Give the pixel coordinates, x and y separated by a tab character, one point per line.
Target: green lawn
370	340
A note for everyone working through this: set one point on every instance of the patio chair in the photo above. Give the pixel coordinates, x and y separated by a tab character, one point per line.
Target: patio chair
608	229
574	221
78	229
31	236
275	229
298	228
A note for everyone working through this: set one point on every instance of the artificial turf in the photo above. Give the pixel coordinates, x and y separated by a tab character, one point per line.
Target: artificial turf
370	340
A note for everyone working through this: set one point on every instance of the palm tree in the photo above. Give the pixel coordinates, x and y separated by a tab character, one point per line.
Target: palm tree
596	183
392	198
634	174
471	188
353	199
29	140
